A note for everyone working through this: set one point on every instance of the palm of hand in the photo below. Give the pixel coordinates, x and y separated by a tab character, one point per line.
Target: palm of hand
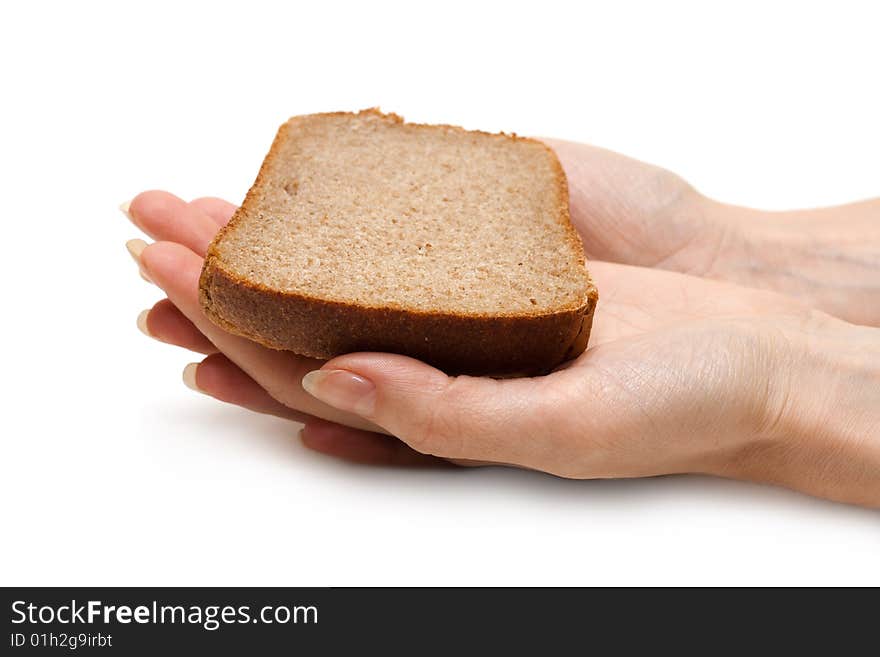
663	354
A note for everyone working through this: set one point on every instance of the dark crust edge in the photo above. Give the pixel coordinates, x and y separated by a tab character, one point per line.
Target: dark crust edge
457	344
492	345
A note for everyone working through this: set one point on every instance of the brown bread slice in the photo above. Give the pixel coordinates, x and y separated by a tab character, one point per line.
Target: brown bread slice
365	233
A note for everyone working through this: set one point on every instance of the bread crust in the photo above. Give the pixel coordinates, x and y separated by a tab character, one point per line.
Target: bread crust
490	345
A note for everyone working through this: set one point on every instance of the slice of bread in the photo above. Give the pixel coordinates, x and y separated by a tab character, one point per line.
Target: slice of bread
365	233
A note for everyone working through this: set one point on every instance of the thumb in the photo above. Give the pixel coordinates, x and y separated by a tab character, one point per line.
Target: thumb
452	417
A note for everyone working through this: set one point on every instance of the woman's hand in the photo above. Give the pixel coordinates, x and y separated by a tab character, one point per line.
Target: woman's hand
237	370
683	375
780	395
638	214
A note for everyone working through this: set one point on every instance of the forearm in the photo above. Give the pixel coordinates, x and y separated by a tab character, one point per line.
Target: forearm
822	433
829	257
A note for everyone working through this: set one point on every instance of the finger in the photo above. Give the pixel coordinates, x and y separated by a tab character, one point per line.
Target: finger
219	210
369	447
176	269
164	216
509	421
220	378
164	322
364	447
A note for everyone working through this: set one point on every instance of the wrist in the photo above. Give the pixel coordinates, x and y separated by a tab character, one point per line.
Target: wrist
829	258
760	249
821	432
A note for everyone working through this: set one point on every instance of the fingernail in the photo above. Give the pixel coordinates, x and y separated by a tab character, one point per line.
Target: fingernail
342	389
142	323
189	377
135	248
125	209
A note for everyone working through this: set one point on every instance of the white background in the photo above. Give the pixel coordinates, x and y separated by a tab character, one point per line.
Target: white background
114	473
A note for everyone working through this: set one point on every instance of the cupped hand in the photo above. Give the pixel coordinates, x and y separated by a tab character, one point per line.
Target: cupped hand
634	213
683	374
638	214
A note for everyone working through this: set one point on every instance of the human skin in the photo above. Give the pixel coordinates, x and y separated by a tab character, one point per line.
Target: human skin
684	374
638	214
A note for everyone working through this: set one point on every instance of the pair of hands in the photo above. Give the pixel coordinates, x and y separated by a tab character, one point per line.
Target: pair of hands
684	373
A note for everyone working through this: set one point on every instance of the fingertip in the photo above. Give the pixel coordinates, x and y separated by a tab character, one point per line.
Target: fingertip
190	373
164	216
342	441
387	368
216	370
312	437
164	322
162	260
152	257
142	323
135	248
151	203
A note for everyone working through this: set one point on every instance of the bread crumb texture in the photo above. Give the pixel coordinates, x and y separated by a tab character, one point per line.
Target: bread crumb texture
371	217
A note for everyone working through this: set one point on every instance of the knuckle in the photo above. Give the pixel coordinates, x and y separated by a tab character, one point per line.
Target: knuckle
441	428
